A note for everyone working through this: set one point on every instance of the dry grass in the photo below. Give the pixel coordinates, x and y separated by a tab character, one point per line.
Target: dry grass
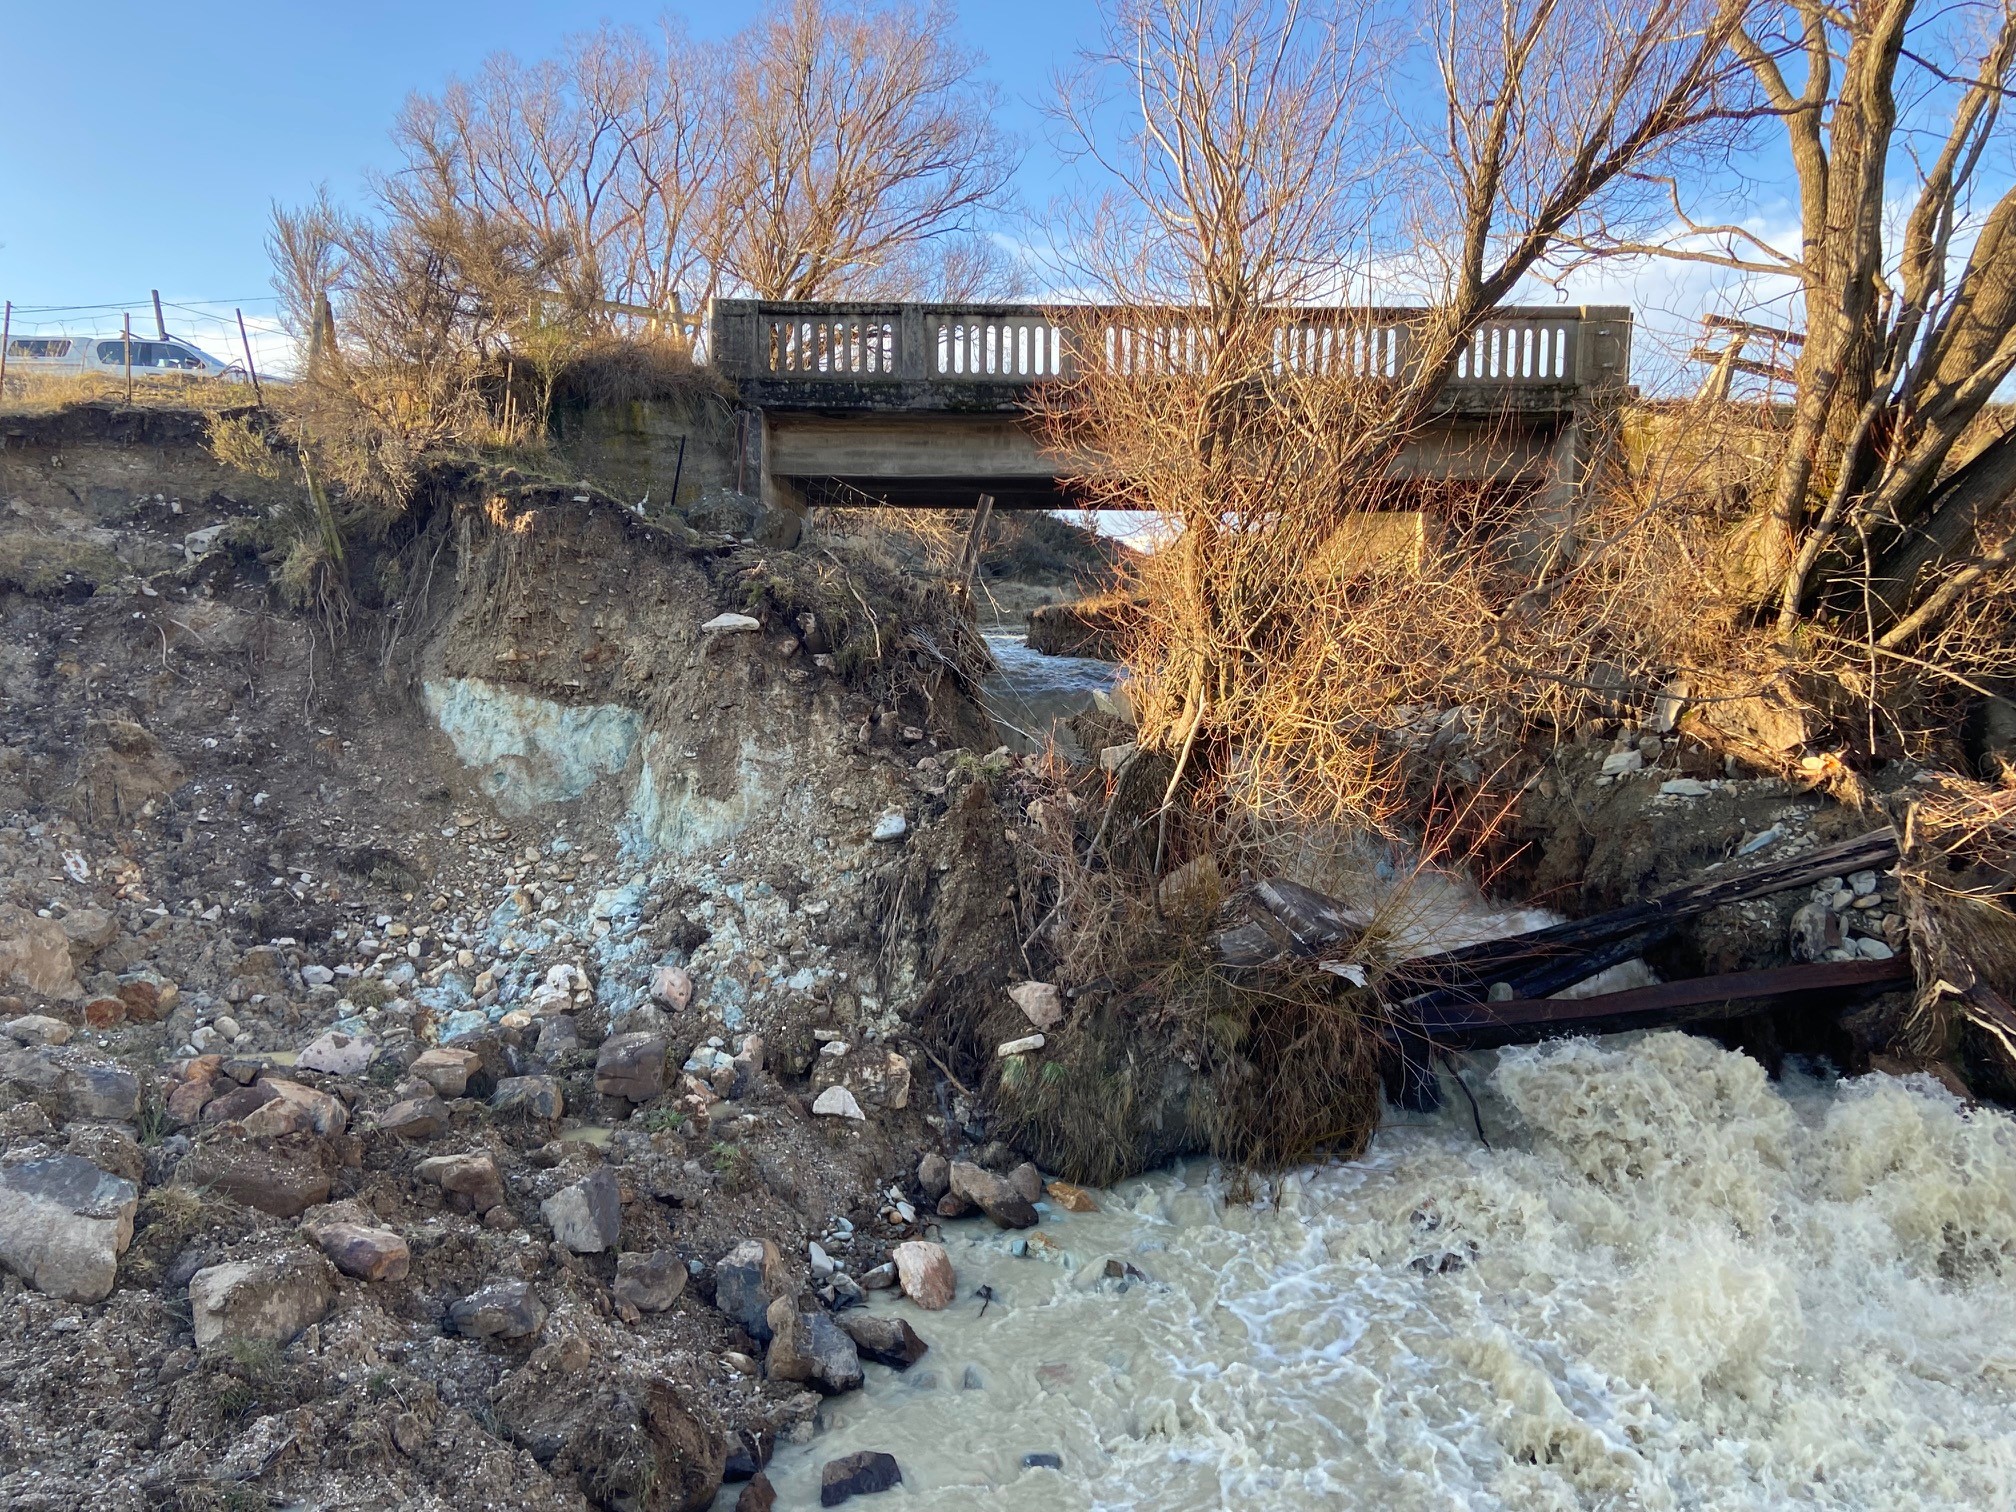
45	393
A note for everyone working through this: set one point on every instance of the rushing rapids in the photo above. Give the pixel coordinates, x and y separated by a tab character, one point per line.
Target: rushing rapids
1667	1283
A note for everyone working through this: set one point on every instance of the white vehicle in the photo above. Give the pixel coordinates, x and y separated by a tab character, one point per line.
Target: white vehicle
102	354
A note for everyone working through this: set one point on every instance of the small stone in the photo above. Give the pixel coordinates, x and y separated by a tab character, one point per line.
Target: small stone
1021	1046
474	1177
501	1310
318	976
1622	763
631	1066
837	1102
64	1223
881	1278
821	1263
731	624
369	1254
758	1495
1041	1003
104	1012
859	1474
1073	1199
1872	949
148	996
924	1271
1042	1461
934	1176
1684	787
886	1341
446	1069
338	1054
100	1089
292	1109
1863	883
672	986
587	1217
89	930
1815	930
890	827
649	1282
951	1205
267	1301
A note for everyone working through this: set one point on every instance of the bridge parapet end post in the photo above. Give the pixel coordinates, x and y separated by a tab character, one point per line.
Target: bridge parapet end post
1603	350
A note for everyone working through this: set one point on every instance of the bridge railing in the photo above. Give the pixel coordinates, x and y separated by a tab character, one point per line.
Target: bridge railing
1517	348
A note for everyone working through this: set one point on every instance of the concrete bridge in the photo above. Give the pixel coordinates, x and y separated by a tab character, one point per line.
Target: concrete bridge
927	404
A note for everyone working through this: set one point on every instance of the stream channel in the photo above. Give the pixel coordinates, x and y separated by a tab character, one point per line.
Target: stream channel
1667	1282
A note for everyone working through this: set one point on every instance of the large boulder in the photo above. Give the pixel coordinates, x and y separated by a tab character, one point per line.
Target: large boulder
885	1340
587	1217
649	1282
993	1195
924	1271
269	1300
631	1445
35	955
363	1250
473	1178
859	1474
284	1177
501	1310
811	1347
631	1066
64	1223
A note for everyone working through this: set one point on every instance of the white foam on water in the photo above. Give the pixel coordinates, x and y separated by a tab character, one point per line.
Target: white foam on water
1672	1284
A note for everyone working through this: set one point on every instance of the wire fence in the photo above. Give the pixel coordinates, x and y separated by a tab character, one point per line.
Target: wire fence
212	326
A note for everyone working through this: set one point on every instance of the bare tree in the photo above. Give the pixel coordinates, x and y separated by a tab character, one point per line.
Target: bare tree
612	151
861	136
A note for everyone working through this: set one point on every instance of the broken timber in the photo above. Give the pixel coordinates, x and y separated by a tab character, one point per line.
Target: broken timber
1448	998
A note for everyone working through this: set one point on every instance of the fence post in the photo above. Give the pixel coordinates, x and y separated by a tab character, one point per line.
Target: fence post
969	554
6	330
160	325
252	372
126	342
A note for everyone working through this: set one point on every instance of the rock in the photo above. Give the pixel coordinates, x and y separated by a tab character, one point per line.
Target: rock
890	827
501	1310
293	1108
100	1089
952	1205
880	1278
338	1054
812	1348
369	1254
35	954
64	1223
859	1474
672	986
1684	787
925	1273
1073	1199
886	1341
993	1196
731	624
1815	930
758	1495
281	1178
1020	1046
317	976
635	1443
632	1066
820	1263
1042	1461
557	1036
535	1097
415	1117
837	1102
934	1176
746	1281
446	1068
587	1217
1872	949
38	1029
258	1301
474	1177
89	930
1027	1182
1041	1003
110	1148
234	1104
1623	763
148	996
1863	884
649	1282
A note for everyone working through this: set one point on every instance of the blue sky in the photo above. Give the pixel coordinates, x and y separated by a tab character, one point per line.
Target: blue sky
108	190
